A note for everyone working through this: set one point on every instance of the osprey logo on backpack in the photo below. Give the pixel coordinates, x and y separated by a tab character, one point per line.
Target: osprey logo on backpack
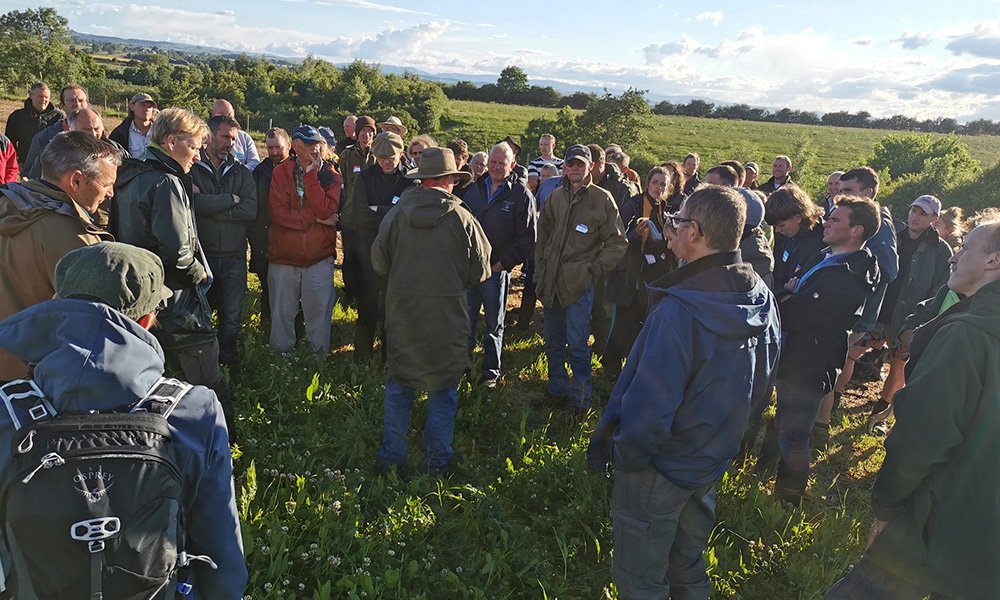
119	532
99	479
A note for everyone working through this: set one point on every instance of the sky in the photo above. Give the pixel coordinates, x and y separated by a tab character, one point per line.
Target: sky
885	57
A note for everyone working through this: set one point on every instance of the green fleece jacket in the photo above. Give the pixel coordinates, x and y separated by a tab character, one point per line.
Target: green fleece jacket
431	250
939	486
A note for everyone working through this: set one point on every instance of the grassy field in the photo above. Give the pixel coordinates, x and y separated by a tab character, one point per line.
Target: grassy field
482	124
520	518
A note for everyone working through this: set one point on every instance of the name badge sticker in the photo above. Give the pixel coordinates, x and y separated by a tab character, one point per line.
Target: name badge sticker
357	169
395	199
582	228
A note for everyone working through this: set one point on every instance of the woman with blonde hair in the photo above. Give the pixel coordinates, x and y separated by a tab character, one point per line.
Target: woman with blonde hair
951	226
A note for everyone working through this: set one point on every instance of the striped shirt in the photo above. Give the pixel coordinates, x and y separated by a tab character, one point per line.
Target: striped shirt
535	166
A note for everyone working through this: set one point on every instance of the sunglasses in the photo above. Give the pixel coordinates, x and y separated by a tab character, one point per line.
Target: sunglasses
674	220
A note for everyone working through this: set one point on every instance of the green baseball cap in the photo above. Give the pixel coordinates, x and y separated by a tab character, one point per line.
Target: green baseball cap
125	277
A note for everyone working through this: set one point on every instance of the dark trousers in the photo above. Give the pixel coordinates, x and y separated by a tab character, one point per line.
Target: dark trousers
226	296
600	319
352	262
528	296
265	300
370	300
626	322
868	581
199	365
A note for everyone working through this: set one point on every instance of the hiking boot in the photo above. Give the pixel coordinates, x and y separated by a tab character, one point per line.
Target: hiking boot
819	438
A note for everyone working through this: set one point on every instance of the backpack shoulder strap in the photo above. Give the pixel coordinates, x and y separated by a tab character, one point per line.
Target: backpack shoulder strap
25	402
163	397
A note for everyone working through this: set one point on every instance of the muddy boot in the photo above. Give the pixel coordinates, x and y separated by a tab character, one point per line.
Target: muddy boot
819	438
790	485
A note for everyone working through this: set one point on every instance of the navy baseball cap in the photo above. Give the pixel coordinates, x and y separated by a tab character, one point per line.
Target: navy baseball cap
308	134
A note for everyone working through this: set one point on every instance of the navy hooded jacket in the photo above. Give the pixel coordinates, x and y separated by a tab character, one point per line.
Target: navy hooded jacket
682	402
88	356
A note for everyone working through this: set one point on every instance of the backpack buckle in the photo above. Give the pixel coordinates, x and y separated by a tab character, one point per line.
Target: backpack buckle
25	402
95	530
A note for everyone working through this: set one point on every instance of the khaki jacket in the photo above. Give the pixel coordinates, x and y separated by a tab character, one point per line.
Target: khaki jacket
580	240
39	224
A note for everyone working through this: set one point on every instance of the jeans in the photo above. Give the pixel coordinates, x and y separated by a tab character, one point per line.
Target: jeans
492	296
226	297
660	531
868	581
568	327
438	432
798	406
312	287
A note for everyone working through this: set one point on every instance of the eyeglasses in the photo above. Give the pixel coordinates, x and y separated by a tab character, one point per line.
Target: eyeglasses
674	220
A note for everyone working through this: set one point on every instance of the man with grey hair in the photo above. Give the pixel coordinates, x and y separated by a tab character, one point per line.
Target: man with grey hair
506	210
677	415
245	150
41	220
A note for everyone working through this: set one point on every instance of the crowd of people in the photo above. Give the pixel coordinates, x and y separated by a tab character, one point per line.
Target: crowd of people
704	297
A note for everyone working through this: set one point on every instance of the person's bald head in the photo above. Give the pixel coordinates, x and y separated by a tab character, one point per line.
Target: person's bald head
86	120
349	123
224	108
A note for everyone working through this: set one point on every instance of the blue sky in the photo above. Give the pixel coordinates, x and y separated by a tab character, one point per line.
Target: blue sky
883	57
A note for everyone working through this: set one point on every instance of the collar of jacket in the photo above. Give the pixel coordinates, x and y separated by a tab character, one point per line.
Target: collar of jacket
70	208
158	154
587	182
718	259
206	162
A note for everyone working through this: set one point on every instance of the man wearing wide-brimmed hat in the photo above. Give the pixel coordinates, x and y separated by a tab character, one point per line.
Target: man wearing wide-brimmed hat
394	125
430	249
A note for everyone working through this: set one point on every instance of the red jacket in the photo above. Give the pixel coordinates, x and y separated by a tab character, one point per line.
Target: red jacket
8	161
294	237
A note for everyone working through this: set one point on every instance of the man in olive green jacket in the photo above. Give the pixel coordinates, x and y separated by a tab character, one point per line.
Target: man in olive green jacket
935	499
431	250
580	240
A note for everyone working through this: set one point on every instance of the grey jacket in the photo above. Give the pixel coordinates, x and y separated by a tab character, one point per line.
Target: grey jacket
224	207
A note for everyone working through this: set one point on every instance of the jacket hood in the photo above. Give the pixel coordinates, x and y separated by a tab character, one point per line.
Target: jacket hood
79	350
131	169
425	207
863	265
29	202
155	160
723	294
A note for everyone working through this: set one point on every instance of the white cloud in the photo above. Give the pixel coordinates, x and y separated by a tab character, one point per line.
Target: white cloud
911	41
864	42
714	17
361	4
